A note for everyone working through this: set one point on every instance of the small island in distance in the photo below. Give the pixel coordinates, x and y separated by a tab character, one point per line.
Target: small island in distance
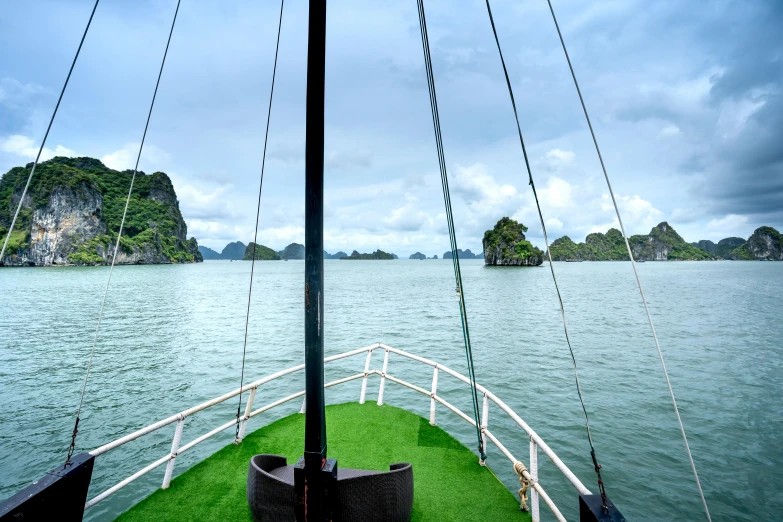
506	245
239	251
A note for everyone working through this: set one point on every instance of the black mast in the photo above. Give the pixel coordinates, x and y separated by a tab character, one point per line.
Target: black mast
312	482
315	423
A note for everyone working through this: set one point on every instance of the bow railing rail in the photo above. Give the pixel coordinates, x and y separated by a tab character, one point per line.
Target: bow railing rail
177	448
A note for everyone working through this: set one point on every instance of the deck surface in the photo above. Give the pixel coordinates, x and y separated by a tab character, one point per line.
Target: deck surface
449	483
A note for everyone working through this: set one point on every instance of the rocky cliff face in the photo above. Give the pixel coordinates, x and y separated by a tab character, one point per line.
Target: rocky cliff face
292	251
764	243
706	245
726	246
505	245
72	211
722	249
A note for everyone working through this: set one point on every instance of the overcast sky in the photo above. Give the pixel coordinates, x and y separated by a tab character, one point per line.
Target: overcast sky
685	99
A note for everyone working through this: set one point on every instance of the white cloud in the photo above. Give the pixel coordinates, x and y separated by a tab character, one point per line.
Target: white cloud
15	94
125	158
670	131
481	192
729	225
25	147
555	160
557	193
638	214
563	156
408	217
553	224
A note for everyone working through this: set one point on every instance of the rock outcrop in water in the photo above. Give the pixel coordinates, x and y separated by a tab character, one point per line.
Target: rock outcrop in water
463	254
661	244
235	250
722	249
766	243
375	256
292	251
417	255
72	212
262	253
505	245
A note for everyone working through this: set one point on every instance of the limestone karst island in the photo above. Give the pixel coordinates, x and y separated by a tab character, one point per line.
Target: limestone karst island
72	213
505	245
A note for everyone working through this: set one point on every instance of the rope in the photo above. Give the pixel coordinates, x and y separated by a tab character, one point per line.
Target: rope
524	484
549	254
46	135
117	245
450	221
633	263
258	214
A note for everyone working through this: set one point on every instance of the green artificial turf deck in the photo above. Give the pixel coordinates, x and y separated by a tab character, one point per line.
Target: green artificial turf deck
449	483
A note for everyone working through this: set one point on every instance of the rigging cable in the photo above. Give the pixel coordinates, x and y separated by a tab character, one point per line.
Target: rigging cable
258	214
633	263
46	135
549	254
450	221
117	245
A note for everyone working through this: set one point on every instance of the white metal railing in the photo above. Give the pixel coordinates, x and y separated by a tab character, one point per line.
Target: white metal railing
177	448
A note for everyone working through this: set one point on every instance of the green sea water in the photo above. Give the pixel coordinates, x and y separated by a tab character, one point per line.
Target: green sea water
172	337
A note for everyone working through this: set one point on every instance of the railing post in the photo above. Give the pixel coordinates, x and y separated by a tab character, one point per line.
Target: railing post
174	448
366	371
246	416
383	377
303	409
432	395
484	423
534	474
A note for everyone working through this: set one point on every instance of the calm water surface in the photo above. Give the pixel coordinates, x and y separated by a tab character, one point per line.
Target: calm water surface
172	337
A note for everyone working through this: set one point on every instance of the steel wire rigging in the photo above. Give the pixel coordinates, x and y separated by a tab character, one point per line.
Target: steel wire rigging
633	263
258	214
46	135
549	255
119	236
450	220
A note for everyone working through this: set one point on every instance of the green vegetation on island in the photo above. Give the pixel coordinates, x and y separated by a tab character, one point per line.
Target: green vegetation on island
464	254
506	245
766	243
262	253
662	243
377	255
72	213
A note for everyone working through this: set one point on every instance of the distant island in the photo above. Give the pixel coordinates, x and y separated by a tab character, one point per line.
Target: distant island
72	212
237	250
260	252
377	255
462	254
766	243
663	243
505	245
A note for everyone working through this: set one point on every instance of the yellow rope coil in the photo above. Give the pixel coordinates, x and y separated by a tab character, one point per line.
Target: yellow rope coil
524	483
